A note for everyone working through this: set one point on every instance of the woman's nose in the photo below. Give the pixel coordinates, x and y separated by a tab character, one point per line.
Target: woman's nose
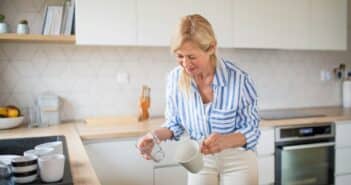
186	61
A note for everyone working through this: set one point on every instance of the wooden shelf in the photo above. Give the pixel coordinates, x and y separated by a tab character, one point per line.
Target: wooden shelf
13	37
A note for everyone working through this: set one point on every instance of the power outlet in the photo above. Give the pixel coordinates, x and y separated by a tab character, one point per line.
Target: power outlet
325	75
122	78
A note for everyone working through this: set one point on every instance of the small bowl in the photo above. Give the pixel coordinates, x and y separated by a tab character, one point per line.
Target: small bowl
26	177
56	145
39	152
24	164
6	123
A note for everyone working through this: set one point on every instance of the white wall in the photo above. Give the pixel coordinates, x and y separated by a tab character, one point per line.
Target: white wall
86	77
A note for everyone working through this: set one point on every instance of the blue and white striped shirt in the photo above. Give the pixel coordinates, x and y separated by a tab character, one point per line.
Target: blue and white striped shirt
233	109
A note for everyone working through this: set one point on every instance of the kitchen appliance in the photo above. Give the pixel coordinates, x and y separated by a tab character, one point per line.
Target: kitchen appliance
18	145
49	109
346	93
304	155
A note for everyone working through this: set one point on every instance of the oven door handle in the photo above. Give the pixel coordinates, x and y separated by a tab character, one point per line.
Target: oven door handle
315	145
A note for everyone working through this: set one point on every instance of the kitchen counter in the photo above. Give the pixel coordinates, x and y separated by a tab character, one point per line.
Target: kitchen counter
82	170
132	128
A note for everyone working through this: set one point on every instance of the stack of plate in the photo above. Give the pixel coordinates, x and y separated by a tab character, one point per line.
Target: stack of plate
25	169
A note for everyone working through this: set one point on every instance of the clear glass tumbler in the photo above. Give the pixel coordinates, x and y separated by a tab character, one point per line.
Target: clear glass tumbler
153	149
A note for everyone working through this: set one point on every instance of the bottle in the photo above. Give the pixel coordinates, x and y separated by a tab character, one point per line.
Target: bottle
144	103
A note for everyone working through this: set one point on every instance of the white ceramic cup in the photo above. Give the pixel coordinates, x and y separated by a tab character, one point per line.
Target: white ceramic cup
56	145
51	167
189	156
39	152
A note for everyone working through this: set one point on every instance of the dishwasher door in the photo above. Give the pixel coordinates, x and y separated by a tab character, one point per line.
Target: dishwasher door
305	164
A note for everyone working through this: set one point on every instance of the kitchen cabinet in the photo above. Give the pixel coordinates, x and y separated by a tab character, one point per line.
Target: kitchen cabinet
342	152
343	180
298	24
106	22
117	161
329	24
158	19
265	153
164	174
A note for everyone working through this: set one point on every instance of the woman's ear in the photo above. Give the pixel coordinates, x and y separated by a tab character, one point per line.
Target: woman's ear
212	48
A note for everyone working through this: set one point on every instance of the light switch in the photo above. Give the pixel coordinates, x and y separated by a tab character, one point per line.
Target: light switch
123	78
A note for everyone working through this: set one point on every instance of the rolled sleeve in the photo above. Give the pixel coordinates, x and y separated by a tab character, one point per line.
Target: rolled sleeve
172	122
248	119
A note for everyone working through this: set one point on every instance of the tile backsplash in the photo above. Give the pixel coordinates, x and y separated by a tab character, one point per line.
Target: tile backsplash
87	77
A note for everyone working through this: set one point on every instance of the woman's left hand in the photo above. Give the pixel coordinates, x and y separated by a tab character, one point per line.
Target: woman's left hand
214	143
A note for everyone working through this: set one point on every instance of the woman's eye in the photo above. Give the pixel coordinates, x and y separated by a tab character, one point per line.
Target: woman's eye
191	57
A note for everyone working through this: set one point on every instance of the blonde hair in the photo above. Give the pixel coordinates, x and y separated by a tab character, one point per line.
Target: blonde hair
197	30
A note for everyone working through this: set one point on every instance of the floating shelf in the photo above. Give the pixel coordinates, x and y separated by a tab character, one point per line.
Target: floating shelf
13	37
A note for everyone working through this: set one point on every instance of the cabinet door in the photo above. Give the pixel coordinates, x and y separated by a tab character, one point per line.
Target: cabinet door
266	170
106	22
342	134
343	180
170	175
265	144
257	24
329	24
294	31
342	161
119	162
158	19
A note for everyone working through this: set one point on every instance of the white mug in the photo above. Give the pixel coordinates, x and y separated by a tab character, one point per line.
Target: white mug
39	152
51	167
56	145
189	156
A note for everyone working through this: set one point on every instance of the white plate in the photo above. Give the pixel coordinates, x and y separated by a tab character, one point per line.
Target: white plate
7	158
6	123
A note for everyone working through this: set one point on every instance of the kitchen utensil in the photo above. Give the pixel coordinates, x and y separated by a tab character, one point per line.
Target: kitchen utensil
6	123
56	145
39	152
49	107
51	167
154	149
5	170
189	156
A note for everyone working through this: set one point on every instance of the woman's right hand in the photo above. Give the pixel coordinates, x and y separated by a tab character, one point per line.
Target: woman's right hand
145	146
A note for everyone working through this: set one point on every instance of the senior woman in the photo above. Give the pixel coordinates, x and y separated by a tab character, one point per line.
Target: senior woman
210	98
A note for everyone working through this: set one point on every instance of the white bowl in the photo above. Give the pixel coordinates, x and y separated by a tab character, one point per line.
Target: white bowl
8	158
6	123
56	145
39	152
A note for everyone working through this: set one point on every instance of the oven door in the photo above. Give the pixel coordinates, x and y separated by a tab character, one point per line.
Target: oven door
305	164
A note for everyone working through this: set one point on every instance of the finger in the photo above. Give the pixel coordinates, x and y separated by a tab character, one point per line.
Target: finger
211	139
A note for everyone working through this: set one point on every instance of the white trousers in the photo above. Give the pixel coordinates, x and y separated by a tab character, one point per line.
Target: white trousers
229	167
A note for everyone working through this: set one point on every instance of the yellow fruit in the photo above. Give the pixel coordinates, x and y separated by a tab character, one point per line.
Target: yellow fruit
11	112
3	112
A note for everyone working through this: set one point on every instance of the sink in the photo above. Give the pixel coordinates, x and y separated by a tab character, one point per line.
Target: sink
17	146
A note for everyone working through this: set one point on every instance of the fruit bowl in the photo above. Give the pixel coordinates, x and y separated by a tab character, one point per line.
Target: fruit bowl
6	123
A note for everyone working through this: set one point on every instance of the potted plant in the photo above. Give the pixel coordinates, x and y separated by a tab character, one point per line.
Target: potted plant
22	27
3	25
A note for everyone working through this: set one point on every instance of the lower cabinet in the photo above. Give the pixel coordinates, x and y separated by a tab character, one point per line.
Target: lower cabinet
266	170
343	180
170	175
265	153
118	161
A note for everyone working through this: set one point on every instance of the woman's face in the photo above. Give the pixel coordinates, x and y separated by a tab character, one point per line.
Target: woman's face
194	60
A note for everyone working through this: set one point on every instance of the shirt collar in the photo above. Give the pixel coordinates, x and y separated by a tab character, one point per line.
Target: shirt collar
221	75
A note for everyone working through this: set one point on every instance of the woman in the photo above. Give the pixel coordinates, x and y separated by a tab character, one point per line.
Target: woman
213	99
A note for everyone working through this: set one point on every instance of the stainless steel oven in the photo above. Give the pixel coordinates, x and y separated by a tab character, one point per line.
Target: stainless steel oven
304	155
